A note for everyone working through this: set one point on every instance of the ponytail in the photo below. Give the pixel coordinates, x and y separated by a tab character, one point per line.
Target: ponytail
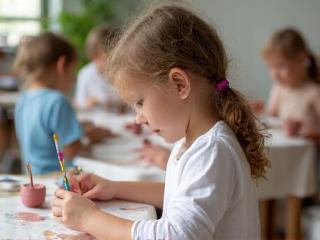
235	111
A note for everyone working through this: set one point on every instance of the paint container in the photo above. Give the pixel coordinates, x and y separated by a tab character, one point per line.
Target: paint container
32	196
9	185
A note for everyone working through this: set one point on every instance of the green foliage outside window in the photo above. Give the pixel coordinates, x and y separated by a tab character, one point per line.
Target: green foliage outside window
76	25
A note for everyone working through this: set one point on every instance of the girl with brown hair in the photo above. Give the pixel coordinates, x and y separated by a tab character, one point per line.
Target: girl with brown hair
171	67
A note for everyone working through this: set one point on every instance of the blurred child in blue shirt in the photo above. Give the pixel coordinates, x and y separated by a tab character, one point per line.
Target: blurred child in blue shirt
47	63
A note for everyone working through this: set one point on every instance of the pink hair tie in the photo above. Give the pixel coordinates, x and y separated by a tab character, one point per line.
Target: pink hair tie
222	85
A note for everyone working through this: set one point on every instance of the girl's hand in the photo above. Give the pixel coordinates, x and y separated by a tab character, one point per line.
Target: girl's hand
92	102
292	127
257	106
92	186
312	136
154	154
72	209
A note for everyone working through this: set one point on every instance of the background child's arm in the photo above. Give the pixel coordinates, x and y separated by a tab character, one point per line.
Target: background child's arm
315	136
273	104
145	192
96	134
154	154
316	105
71	150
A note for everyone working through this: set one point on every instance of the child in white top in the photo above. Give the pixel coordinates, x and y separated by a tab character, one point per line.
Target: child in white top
93	89
171	67
295	94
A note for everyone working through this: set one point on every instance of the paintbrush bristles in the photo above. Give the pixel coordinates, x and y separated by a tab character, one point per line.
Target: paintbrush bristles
29	168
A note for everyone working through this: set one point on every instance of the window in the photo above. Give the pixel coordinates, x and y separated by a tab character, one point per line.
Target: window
19	18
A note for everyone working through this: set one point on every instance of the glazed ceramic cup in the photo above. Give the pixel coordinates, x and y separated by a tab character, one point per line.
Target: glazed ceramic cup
33	197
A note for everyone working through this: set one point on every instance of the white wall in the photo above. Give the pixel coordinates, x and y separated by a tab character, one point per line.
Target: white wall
246	25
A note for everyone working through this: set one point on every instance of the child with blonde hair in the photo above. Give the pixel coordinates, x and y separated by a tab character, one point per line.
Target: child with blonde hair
47	63
93	89
171	67
295	94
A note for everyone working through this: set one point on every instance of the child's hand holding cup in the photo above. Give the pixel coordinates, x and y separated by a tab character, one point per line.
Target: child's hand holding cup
292	127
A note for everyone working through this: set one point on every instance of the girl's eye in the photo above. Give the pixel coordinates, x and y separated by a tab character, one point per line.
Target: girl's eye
139	103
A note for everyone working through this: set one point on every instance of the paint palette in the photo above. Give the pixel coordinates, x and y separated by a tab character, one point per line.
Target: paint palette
35	226
19	222
9	185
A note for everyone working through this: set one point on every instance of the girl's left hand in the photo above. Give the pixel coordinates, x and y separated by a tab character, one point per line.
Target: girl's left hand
72	209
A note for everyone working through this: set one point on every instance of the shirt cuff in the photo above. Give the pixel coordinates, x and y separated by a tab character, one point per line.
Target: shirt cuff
134	230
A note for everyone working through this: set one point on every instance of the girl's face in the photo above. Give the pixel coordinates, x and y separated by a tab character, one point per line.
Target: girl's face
288	72
161	110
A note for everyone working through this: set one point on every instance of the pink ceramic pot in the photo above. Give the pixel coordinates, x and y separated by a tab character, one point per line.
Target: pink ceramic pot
33	197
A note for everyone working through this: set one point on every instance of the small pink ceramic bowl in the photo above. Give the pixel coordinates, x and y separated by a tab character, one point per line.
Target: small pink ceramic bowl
33	197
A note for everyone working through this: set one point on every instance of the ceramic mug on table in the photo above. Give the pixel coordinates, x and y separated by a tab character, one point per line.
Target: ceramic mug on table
32	196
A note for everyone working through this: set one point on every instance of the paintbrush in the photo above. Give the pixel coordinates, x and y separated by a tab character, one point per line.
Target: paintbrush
29	168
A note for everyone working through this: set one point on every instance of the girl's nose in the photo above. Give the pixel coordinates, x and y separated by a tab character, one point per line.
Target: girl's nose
141	119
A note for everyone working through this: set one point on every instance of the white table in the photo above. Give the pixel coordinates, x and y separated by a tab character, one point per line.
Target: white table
293	167
8	99
115	158
292	176
12	228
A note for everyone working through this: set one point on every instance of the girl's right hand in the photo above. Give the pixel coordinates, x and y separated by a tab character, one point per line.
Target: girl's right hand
92	186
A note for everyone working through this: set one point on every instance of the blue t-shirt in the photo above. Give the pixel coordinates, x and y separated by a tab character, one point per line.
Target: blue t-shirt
38	115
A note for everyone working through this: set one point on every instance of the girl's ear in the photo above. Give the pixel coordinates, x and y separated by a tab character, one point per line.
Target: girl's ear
303	56
61	65
181	82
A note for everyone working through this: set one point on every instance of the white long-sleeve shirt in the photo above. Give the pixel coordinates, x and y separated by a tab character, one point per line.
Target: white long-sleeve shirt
209	193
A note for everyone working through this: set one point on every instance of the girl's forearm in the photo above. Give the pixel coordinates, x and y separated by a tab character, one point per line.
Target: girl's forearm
145	192
106	226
